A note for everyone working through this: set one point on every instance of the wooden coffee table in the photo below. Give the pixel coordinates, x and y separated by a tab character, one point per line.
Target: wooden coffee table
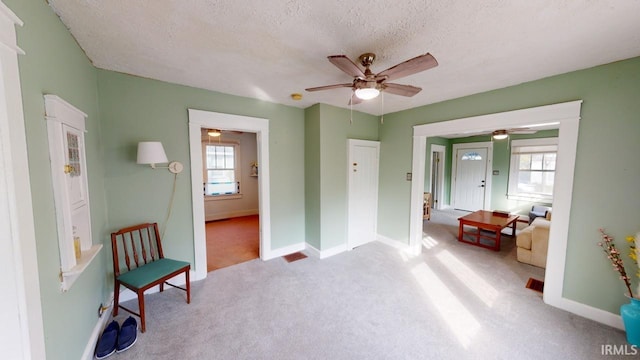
491	222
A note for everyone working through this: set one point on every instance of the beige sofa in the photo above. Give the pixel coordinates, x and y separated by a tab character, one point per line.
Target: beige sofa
533	241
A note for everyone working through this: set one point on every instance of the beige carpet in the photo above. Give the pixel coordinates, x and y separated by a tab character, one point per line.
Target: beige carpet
455	301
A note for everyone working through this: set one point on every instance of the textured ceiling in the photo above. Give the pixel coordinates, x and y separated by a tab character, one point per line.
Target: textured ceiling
270	49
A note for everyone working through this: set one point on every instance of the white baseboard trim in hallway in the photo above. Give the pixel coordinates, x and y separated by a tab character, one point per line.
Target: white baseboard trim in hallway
323	254
89	350
589	312
391	242
284	251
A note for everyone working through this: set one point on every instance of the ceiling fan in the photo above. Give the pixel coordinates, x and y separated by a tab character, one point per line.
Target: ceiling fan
504	133
367	85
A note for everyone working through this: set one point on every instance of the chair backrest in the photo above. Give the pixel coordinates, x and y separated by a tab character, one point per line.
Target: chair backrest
135	246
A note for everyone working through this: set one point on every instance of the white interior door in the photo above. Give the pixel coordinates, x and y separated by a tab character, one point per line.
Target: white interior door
470	178
363	191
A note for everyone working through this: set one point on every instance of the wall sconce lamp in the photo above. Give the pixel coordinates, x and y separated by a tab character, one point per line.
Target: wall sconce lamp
152	153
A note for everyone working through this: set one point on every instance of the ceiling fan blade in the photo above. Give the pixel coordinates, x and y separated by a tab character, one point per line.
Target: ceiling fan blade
327	87
354	99
345	64
409	67
403	90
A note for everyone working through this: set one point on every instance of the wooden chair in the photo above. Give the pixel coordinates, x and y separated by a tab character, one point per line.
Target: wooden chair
143	265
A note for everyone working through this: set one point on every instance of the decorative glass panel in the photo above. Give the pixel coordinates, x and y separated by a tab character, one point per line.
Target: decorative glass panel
472	155
73	149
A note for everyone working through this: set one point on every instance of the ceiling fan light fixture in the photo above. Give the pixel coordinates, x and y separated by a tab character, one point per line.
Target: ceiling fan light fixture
367	93
500	134
214	133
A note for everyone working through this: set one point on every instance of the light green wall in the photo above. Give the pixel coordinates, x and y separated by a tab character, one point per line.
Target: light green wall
54	64
605	190
134	109
334	130
312	175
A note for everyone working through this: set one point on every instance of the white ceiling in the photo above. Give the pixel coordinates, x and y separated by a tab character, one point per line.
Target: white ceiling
270	49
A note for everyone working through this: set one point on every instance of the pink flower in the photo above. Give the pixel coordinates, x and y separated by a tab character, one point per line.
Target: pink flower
613	254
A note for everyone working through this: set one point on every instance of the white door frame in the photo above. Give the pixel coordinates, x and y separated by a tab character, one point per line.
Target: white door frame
442	150
198	120
18	241
567	116
489	166
368	143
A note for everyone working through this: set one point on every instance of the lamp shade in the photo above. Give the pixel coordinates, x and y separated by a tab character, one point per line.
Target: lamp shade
151	152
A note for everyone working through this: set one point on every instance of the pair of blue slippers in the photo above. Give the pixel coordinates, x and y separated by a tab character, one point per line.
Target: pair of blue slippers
116	338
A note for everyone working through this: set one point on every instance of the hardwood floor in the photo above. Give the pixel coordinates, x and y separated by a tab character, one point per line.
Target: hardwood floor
232	241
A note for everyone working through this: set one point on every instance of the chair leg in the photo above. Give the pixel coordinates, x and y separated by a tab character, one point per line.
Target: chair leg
116	297
162	286
186	273
141	308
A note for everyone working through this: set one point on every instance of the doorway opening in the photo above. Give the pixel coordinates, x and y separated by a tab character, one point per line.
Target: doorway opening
231	204
199	120
566	116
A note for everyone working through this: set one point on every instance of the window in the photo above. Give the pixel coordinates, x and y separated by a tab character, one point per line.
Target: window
532	169
472	155
221	171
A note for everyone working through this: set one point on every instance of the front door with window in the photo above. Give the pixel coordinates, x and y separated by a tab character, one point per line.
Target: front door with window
470	178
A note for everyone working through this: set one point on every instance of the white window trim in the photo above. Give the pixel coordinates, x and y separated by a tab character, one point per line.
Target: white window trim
238	173
513	181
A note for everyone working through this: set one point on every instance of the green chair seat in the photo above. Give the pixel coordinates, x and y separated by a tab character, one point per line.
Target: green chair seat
151	272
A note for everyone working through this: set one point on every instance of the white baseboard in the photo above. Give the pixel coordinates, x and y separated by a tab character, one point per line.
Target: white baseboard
391	242
323	254
586	311
89	350
284	251
312	251
231	214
